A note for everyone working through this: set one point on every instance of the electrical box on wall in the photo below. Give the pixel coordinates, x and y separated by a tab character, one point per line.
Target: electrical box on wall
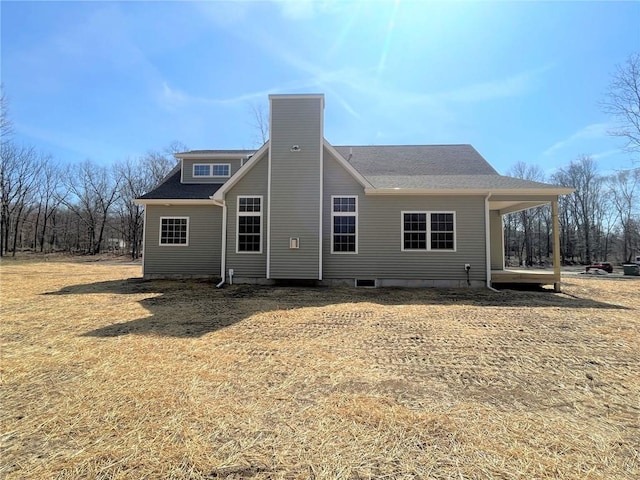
294	242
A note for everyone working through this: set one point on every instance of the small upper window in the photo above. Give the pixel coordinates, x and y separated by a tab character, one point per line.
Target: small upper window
221	169
211	170
202	170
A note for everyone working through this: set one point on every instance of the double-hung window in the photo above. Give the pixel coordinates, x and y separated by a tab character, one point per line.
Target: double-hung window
442	231
174	231
428	231
211	170
249	225
344	219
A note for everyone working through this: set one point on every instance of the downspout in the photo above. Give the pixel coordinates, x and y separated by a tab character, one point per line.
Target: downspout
223	257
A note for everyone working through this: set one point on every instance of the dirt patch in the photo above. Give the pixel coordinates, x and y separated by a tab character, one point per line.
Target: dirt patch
107	376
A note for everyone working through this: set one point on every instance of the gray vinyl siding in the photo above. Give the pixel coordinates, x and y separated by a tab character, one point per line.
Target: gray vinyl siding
295	187
200	258
380	235
249	265
187	172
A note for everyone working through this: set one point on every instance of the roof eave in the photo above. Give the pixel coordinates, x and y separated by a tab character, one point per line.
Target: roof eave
173	201
211	156
468	191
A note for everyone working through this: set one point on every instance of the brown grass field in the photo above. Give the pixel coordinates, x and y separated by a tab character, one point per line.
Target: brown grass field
107	376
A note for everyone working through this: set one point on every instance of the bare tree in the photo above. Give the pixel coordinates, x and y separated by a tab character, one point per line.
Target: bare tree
19	167
136	178
6	126
260	123
623	101
157	164
48	185
521	225
92	192
582	175
624	189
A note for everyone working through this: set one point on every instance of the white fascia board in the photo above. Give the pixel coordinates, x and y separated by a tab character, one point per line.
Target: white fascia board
348	167
173	201
211	156
460	191
242	171
423	191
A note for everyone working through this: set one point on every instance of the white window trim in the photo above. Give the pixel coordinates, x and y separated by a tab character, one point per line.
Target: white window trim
248	214
211	167
343	214
428	213
172	244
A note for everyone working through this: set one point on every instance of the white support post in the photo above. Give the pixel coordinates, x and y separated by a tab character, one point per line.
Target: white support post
556	245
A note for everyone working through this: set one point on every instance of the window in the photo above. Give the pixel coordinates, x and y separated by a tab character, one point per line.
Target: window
428	231
249	225
221	169
211	169
202	170
344	219
174	231
442	231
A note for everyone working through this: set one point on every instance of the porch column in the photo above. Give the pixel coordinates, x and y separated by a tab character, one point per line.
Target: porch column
556	245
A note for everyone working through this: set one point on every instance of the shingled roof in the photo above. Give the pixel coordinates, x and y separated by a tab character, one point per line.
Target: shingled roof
385	160
419	167
172	189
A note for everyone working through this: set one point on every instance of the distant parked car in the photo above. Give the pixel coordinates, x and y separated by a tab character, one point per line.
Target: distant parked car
606	266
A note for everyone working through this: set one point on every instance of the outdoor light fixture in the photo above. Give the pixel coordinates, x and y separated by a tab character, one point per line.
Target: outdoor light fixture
295	148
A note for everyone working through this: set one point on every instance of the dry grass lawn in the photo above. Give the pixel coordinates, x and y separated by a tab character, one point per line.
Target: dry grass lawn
106	376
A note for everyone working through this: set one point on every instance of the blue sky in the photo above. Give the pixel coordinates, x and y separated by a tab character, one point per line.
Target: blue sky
519	81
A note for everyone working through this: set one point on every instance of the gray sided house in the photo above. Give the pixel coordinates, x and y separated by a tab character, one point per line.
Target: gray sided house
300	208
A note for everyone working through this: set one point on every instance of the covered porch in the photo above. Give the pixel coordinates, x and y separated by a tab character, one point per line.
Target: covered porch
499	205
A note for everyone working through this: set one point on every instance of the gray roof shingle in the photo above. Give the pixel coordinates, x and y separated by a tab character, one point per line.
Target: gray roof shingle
171	189
416	160
438	167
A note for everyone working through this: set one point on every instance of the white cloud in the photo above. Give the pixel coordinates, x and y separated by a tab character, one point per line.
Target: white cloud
595	130
297	9
224	14
605	154
303	9
512	86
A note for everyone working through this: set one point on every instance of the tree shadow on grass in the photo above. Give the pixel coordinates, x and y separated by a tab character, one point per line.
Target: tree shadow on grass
189	308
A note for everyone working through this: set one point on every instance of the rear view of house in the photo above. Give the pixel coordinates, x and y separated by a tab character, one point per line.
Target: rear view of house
300	208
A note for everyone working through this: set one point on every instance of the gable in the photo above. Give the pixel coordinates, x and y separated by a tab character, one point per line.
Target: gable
259	156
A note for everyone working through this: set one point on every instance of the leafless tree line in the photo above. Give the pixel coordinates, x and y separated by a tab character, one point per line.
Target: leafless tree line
87	208
600	221
84	208
46	206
